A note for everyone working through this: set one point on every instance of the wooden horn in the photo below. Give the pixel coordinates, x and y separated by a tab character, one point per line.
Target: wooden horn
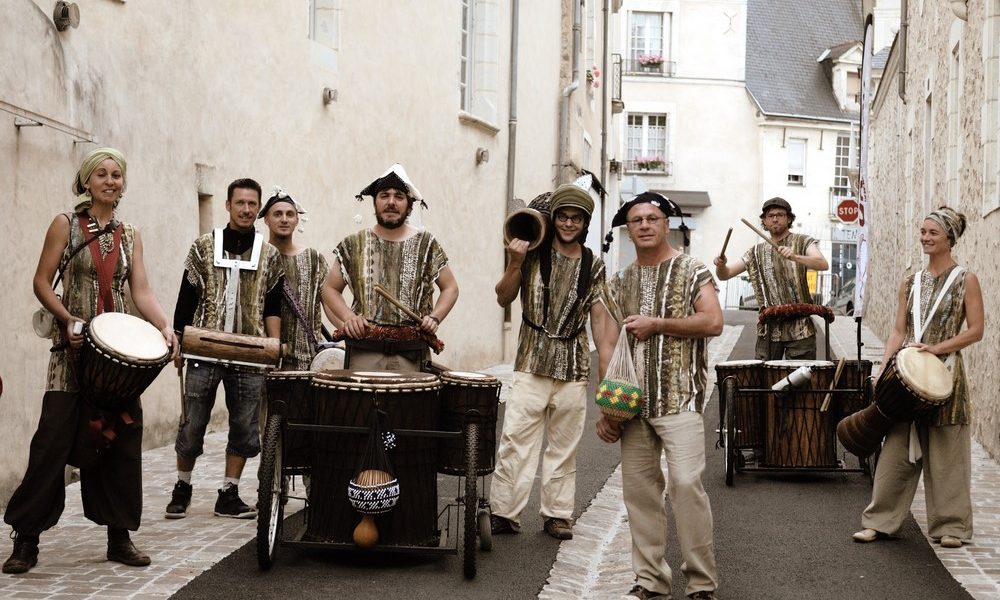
526	224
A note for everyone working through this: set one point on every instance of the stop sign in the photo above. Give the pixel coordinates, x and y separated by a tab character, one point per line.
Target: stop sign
847	210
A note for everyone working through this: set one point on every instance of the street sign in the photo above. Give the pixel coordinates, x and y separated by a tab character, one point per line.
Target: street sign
847	210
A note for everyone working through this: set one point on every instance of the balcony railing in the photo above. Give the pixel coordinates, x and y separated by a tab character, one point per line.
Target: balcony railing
661	69
653	168
616	77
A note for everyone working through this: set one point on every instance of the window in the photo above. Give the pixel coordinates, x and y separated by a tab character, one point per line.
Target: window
591	41
991	109
649	39
646	143
953	160
842	166
324	23
479	75
796	161
928	152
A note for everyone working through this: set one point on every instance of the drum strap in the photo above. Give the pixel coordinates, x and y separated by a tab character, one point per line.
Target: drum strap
582	283
235	265
920	326
105	267
300	314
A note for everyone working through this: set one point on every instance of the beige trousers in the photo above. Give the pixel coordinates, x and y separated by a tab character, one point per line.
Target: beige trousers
947	469
682	437
539	405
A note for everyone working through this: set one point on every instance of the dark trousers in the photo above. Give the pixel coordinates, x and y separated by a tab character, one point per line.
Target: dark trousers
804	349
111	489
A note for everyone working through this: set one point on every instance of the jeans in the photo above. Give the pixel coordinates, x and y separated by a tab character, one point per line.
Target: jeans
243	389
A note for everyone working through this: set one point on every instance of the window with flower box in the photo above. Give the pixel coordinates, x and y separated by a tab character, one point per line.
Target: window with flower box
649	44
646	143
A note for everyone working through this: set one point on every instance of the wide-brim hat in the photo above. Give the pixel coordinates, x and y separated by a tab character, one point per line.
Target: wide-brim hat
570	195
394	178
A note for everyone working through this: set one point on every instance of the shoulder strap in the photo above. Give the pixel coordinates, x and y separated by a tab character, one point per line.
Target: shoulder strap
582	280
920	326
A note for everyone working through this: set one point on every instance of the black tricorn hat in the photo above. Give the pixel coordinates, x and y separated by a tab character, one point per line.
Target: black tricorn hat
394	178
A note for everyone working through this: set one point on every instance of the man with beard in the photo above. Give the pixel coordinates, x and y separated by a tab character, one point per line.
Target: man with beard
305	270
561	283
778	277
671	308
405	260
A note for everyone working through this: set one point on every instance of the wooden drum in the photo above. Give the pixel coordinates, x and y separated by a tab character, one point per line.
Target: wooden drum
748	411
468	398
911	384
798	433
120	358
290	393
230	348
346	398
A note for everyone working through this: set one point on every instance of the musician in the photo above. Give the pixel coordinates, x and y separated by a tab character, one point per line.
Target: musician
561	283
778	276
672	308
946	295
233	283
304	269
405	260
109	255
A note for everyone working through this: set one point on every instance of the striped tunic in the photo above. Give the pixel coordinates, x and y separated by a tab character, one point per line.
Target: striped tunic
79	286
676	369
304	274
946	323
777	280
408	269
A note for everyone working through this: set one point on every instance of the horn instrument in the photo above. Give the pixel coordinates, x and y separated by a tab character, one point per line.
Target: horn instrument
526	224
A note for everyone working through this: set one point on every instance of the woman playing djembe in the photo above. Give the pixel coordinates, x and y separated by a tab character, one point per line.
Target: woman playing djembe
933	304
108	254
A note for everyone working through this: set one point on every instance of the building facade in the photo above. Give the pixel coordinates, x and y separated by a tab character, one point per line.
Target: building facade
935	140
317	96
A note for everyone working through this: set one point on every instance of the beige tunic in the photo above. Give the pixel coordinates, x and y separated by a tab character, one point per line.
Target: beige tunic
776	281
676	369
304	274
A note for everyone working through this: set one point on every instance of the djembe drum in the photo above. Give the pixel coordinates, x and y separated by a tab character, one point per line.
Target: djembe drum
911	384
468	398
120	358
748	411
852	378
799	434
347	398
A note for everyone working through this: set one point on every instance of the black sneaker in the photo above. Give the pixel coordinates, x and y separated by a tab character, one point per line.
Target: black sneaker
641	593
24	556
230	505
180	499
502	525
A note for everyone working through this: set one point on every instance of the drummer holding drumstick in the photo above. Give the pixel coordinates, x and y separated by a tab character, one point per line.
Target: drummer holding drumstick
946	295
97	255
777	269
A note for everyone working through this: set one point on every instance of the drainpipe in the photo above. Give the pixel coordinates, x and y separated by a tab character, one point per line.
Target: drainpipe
903	26
511	150
604	111
575	83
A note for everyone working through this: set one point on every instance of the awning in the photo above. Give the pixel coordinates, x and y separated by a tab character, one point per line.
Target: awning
687	199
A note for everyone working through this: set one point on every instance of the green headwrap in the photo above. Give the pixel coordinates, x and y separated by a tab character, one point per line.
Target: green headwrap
90	162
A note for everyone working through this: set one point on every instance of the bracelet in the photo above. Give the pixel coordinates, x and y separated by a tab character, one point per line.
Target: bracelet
436	320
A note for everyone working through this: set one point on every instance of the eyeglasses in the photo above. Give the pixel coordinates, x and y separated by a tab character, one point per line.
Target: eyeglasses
574	219
652	220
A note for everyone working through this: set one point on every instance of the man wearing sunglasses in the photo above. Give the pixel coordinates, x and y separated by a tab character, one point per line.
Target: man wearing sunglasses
561	283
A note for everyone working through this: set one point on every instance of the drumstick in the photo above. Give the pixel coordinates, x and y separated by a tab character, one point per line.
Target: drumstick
761	234
406	310
725	244
833	385
184	412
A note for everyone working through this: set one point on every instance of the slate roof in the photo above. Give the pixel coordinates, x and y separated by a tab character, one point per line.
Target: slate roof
881	58
784	39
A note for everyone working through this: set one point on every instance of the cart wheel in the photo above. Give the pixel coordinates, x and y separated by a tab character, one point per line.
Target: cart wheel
729	428
471	500
485	531
270	495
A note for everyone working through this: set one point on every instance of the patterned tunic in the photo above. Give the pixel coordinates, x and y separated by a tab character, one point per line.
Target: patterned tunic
304	275
562	351
408	269
676	369
946	323
210	281
80	295
777	281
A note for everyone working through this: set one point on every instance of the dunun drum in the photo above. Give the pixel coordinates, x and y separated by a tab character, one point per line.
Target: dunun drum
468	398
748	412
798	433
120	357
230	348
346	398
912	383
290	394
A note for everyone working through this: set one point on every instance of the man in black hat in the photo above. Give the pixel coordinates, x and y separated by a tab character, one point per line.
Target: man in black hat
560	283
406	261
778	276
671	308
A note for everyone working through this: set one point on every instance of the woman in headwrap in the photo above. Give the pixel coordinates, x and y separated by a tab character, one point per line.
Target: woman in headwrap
946	295
94	281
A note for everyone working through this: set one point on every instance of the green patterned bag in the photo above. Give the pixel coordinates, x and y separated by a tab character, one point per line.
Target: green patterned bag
619	394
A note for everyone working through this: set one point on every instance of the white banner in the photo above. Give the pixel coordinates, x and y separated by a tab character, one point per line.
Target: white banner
866	103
